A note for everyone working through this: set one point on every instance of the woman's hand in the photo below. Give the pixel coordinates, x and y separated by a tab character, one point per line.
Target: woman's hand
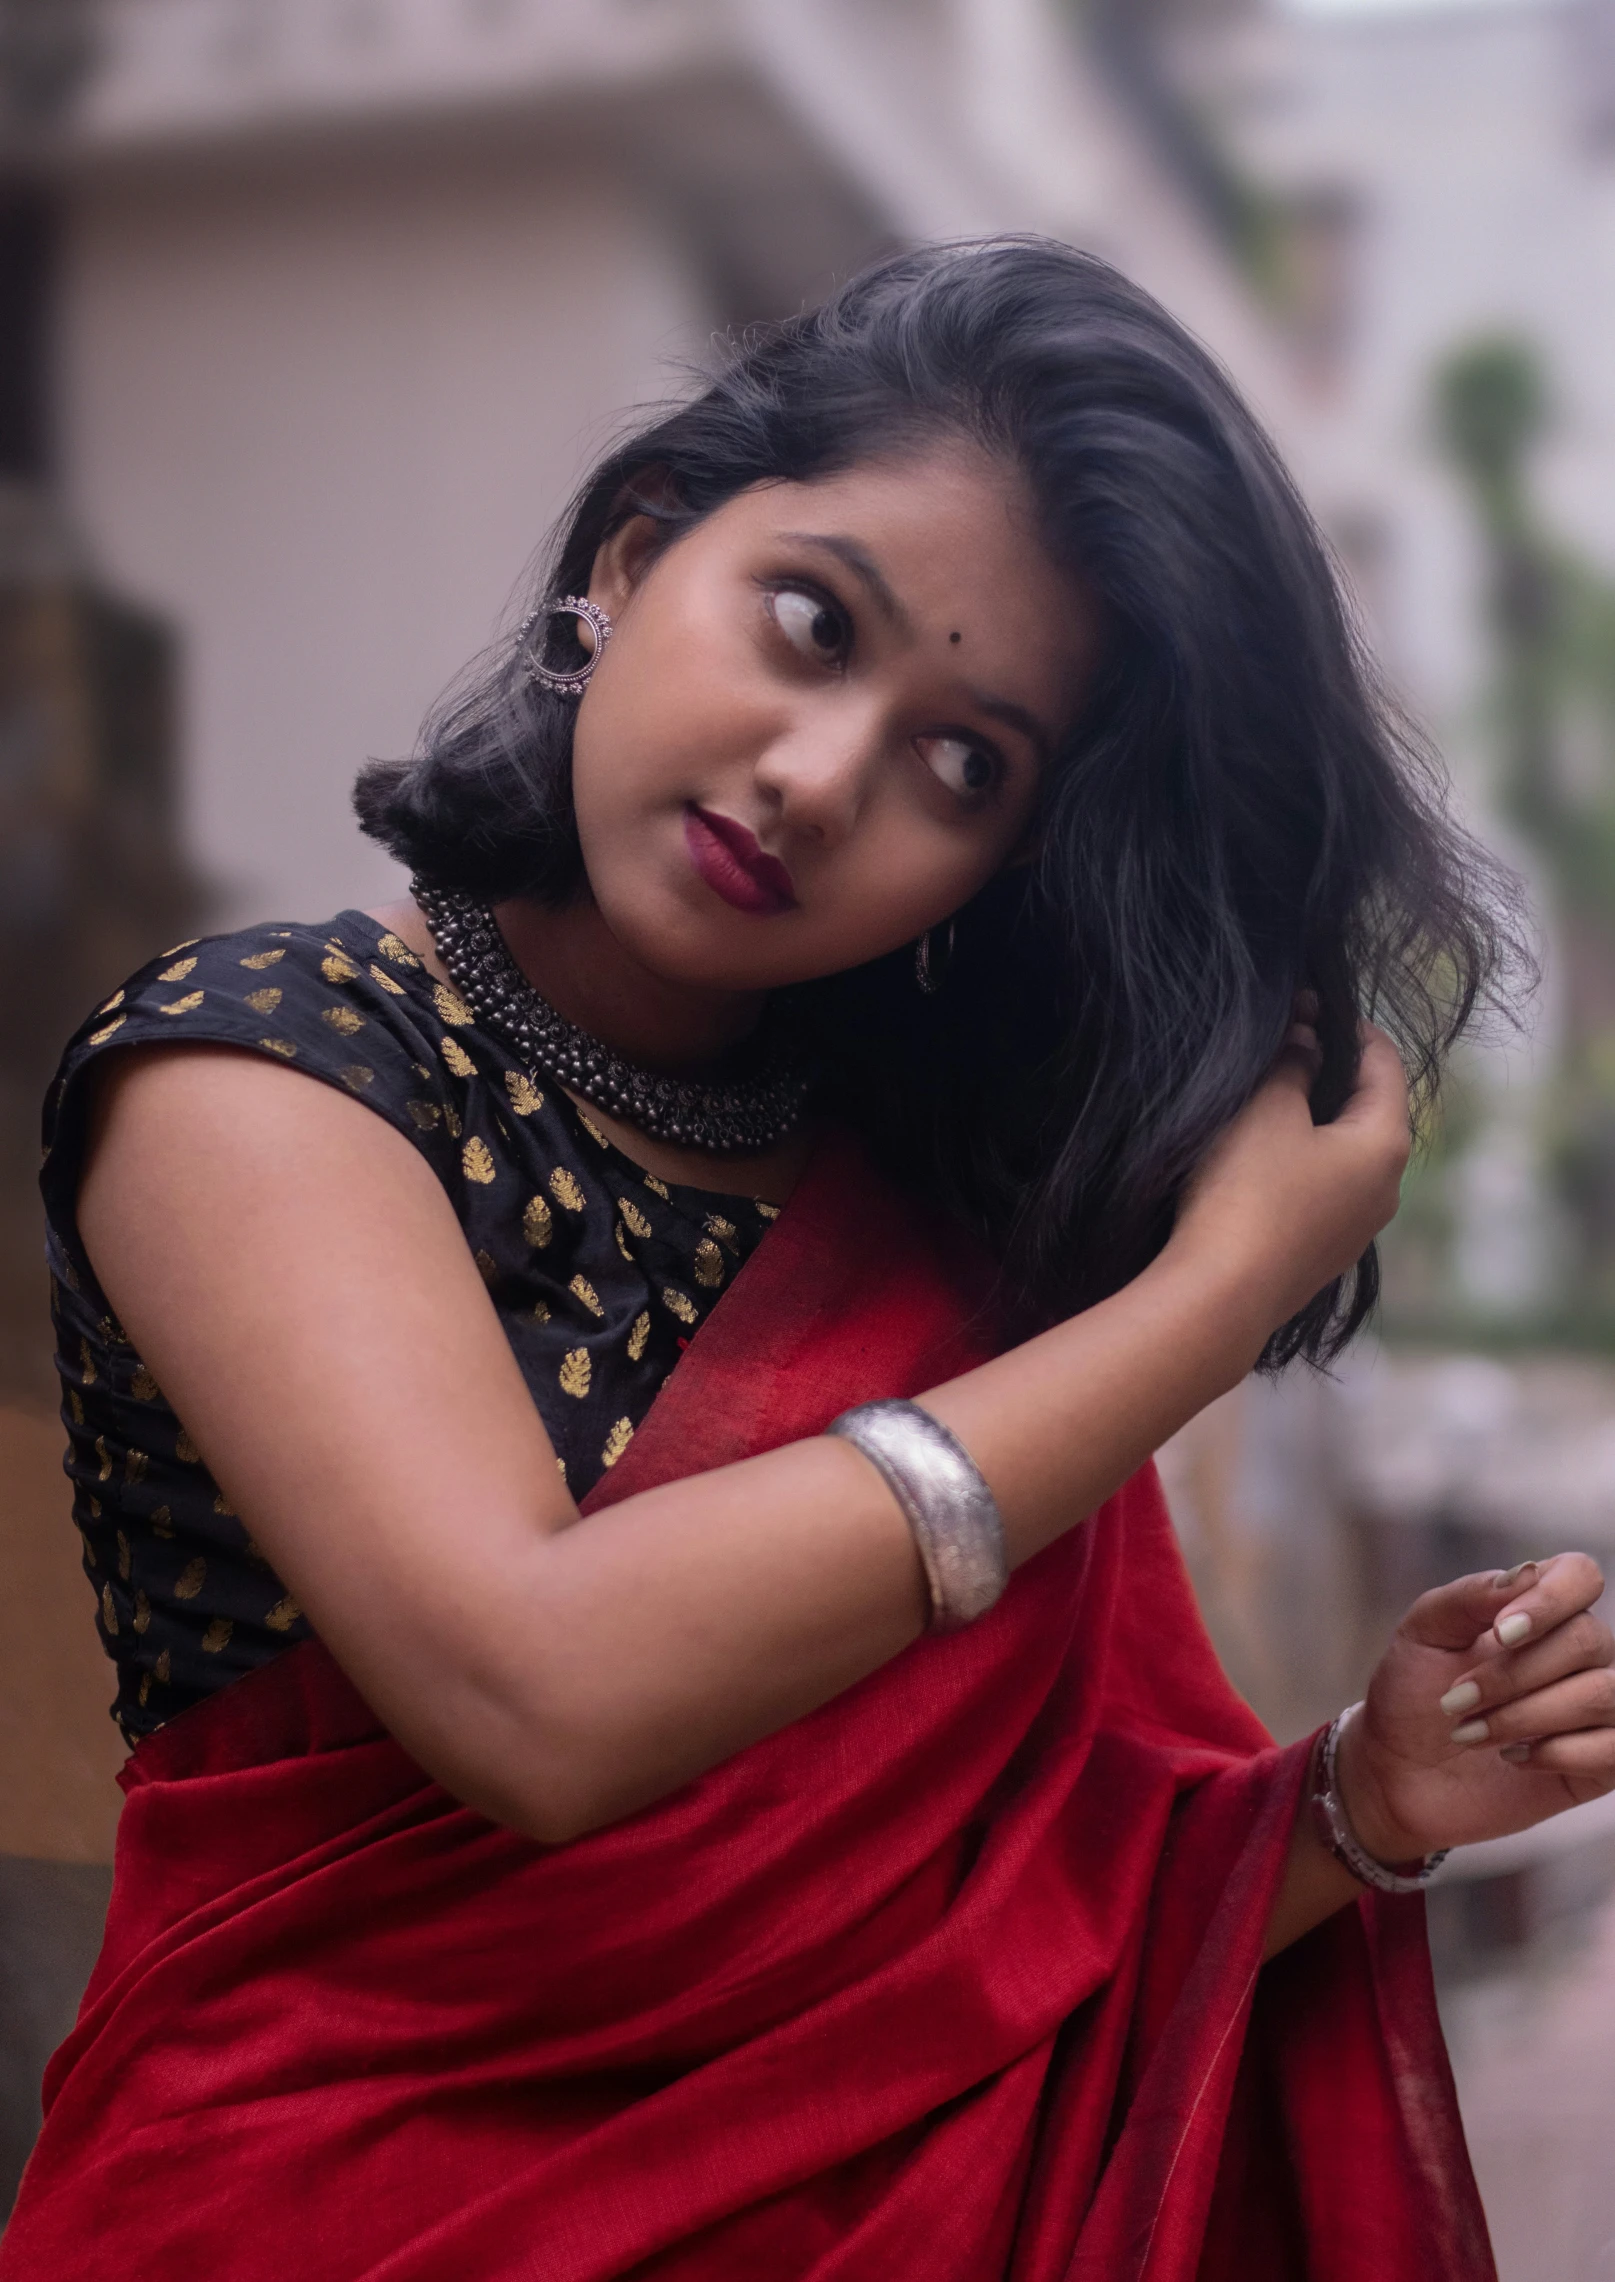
1493	1708
1284	1206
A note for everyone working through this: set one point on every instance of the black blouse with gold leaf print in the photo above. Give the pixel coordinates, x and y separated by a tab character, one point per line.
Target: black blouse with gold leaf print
599	1272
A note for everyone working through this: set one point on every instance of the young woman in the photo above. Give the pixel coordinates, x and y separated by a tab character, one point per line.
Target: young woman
893	927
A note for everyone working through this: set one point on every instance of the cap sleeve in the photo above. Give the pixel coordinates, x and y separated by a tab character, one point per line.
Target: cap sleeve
345	1005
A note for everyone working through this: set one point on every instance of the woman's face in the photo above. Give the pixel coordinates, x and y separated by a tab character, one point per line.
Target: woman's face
819	726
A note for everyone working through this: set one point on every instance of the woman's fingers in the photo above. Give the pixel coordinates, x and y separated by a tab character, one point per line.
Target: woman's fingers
1585	1759
1584	1699
1582	1643
1494	1610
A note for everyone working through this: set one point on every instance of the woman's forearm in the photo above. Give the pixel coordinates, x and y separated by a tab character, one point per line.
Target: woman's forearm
687	1622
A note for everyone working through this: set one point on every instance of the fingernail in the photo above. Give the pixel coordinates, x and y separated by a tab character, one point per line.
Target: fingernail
1506	1579
1510	1629
1515	1753
1464	1697
1472	1731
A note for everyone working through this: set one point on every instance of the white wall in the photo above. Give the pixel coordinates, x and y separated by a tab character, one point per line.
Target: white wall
321	414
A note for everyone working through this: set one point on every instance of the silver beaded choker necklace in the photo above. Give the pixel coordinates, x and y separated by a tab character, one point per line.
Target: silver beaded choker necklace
757	1103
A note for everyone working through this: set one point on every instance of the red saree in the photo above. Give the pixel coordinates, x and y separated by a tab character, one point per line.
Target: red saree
954	1980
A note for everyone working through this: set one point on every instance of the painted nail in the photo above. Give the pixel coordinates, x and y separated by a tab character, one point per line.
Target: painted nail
1506	1579
1472	1731
1515	1753
1510	1630
1464	1697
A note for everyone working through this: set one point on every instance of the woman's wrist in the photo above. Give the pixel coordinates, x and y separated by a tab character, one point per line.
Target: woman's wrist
1362	1800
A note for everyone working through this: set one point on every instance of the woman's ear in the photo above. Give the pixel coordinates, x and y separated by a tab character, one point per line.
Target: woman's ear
623	558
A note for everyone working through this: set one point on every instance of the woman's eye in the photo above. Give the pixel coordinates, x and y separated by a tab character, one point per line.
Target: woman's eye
963	767
810	624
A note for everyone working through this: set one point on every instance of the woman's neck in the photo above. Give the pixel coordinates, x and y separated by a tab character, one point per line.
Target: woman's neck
692	1033
580	966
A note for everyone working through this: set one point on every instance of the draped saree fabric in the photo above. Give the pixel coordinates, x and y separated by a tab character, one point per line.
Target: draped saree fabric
957	1979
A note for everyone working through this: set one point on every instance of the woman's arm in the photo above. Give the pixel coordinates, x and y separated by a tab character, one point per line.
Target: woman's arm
295	1277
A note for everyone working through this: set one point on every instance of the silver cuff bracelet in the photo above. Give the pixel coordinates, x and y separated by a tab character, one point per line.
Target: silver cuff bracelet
1334	1827
945	1501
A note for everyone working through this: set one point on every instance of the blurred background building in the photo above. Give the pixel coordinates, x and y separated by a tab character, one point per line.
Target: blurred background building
311	314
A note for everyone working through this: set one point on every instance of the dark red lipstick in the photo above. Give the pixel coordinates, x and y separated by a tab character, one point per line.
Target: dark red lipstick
733	865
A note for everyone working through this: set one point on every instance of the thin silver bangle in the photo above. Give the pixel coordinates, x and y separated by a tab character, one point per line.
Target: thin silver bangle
1334	1826
946	1503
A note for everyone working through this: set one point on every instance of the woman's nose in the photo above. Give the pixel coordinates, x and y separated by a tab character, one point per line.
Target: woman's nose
819	777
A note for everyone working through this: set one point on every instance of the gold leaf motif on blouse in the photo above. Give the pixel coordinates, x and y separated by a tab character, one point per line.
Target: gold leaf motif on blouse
337	967
258	960
284	1614
685	1309
75	1404
576	1371
105	1458
393	947
185	1005
583	1291
100	1037
565	1190
541	1312
142	1611
109	1615
174	949
143	1386
221	1504
658	1187
134	1465
617	1441
452	1006
378	975
634	1217
125	1557
185	1449
621	1235
162	1522
161	1669
145	1688
192	1578
708	1263
281	1046
255	1552
177	972
487	1267
451	1121
593	1130
424	1114
525	1097
217	1635
343	1018
724	1230
356	1077
637	1337
115	1000
265	1001
768	1211
86	1363
95	1509
457	1058
477	1162
538	1223
560	1467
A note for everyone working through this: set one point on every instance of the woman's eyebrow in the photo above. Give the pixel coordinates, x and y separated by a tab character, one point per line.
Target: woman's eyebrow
1013	716
862	564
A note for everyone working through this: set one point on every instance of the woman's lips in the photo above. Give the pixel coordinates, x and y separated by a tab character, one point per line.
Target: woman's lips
733	865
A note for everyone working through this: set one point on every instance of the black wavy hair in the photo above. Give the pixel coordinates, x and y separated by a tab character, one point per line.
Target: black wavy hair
1238	814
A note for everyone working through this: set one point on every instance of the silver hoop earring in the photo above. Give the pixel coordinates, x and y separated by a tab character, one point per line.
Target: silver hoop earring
928	973
566	681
